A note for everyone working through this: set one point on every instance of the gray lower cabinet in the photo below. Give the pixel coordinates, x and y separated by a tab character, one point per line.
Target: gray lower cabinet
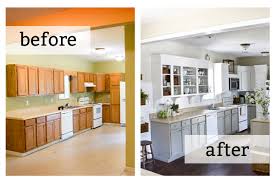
176	142
235	123
227	122
186	130
221	123
251	113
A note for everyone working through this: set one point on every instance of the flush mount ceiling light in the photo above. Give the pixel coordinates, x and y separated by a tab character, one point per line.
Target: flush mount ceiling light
265	53
245	46
119	58
100	51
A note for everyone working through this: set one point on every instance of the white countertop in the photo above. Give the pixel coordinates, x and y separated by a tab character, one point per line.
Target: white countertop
29	113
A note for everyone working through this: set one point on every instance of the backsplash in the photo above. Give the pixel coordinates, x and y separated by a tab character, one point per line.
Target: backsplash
102	97
13	103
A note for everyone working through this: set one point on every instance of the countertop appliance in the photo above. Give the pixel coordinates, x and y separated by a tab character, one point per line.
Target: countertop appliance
66	124
234	83
243	124
242	99
212	127
97	114
122	104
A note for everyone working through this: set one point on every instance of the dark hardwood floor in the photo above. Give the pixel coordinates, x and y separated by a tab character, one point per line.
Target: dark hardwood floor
178	167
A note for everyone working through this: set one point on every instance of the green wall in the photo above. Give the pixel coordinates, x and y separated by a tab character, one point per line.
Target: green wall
109	67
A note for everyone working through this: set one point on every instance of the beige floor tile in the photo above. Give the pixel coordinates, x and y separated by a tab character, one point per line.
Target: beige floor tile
96	152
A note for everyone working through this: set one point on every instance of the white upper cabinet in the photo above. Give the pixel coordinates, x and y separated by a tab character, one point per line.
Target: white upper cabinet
246	75
221	78
260	75
174	76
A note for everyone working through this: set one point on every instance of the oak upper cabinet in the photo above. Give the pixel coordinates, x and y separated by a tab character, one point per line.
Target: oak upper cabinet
17	80
86	77
100	82
33	80
41	131
76	124
45	81
89	117
73	84
115	79
58	81
106	113
107	82
115	95
80	82
91	77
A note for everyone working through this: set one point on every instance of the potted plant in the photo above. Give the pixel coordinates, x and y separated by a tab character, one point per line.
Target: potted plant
174	108
143	97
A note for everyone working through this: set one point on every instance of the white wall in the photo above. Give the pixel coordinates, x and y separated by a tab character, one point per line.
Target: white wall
180	49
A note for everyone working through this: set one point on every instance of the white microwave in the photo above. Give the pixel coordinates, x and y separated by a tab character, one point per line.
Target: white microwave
234	84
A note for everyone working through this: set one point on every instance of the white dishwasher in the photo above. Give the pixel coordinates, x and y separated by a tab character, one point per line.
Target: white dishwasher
66	124
212	127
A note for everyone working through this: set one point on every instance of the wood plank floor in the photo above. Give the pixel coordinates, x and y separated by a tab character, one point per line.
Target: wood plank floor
96	152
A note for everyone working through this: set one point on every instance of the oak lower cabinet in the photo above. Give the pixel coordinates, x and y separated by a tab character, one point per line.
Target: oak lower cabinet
17	80
115	114
227	122
106	113
53	126
30	134
82	119
89	117
76	124
41	131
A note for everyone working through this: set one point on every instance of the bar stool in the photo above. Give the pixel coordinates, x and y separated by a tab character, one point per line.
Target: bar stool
145	153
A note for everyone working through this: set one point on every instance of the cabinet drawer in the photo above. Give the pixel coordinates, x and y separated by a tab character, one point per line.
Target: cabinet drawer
89	109
175	126
198	119
53	117
83	110
220	114
29	122
41	119
76	111
234	111
186	123
228	112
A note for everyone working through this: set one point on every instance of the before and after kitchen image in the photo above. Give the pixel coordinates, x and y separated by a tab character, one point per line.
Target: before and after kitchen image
201	106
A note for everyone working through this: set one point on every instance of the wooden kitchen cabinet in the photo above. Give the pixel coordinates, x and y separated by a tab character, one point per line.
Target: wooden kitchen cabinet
76	125
106	113
82	119
57	129
58	81
86	77
89	118
80	82
115	95
17	80
91	77
115	113
73	84
50	131
99	80
115	79
53	126
45	81
30	134
107	82
33	81
41	133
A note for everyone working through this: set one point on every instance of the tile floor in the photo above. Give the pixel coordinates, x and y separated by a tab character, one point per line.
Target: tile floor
96	152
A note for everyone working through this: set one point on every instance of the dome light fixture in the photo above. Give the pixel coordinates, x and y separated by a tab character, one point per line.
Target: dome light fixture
100	51
265	53
245	46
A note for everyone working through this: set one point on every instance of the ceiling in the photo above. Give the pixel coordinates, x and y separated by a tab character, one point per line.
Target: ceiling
229	42
112	39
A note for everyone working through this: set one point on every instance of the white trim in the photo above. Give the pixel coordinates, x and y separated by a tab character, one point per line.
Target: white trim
211	30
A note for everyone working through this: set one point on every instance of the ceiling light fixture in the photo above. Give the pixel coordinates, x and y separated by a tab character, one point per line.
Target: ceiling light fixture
245	46
100	51
265	53
119	58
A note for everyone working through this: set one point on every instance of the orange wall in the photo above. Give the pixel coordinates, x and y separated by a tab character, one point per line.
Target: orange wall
94	17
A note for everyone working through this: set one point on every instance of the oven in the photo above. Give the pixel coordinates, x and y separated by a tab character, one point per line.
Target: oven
97	115
234	84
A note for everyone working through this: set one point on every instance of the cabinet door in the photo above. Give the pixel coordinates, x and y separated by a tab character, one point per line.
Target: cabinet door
106	113
86	77
50	131
115	95
42	81
82	121
195	129
80	82
186	130
49	82
91	77
89	121
202	130
76	122
22	80
221	126
41	134
58	81
227	122
57	129
74	84
33	80
107	82
115	79
30	134
176	142
100	82
245	80
235	123
115	113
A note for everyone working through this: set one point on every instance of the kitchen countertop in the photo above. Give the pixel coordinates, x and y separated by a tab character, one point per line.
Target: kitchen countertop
260	120
189	115
29	113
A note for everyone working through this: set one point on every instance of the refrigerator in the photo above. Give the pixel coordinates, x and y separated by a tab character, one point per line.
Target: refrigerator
122	104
